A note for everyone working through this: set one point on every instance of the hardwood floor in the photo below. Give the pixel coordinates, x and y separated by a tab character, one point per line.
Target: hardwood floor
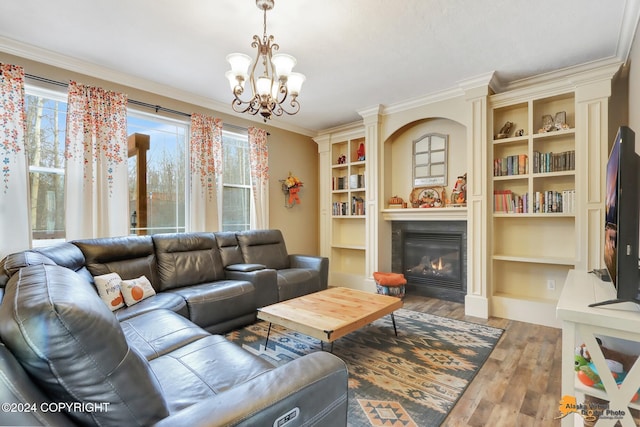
519	385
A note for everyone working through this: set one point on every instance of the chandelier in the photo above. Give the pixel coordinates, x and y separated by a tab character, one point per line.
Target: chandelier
274	81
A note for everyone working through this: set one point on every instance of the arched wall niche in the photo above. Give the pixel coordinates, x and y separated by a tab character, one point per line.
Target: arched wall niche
398	152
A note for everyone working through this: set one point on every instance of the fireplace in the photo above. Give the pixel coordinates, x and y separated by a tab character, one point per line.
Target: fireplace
432	256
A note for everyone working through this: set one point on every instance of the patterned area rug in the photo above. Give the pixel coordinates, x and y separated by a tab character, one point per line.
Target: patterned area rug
410	380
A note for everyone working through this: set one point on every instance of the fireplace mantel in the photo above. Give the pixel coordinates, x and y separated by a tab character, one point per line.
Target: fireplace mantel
425	214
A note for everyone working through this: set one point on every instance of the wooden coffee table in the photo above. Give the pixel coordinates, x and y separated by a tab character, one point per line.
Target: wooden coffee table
330	314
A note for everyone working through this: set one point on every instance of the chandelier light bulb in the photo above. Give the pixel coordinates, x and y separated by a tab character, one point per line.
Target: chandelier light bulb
294	83
239	63
236	79
264	86
284	64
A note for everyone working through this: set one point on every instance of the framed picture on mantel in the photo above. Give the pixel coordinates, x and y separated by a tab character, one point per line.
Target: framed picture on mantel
430	160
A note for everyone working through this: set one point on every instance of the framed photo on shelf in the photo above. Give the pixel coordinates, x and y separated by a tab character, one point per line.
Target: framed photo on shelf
427	197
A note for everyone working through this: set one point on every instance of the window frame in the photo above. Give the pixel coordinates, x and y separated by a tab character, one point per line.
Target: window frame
59	96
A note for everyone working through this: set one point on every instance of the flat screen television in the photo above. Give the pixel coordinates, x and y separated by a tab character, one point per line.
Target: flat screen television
621	218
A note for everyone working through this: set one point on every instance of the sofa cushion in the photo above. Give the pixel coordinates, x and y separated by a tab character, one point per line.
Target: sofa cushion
162	300
295	282
159	332
204	368
186	259
129	256
265	247
74	349
136	290
217	302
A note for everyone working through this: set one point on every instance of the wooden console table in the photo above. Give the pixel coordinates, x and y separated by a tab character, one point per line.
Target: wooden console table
581	324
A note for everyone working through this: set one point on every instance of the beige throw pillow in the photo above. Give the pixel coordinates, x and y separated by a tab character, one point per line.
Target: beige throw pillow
108	286
135	290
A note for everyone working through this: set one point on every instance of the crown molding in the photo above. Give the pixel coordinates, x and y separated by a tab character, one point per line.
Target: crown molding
37	54
412	103
628	29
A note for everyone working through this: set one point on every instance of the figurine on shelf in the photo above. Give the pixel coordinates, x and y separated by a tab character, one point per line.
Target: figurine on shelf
360	152
560	121
342	159
505	131
459	192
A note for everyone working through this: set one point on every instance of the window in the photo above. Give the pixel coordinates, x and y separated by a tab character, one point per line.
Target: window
165	196
164	199
236	193
46	116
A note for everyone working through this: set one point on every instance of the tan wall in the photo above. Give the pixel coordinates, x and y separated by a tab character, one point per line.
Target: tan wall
634	88
288	151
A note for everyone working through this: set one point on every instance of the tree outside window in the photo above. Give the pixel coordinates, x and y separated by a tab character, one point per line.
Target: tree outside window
236	182
165	175
46	114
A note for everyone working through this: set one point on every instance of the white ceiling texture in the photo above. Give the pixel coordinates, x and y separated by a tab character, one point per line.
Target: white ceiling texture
355	53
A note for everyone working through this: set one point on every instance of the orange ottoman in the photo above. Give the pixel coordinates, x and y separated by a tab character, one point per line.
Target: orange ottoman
390	284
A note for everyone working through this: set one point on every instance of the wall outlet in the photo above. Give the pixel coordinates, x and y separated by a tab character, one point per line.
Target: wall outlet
551	284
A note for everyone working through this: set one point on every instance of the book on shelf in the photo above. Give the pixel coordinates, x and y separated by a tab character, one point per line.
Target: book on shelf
357	206
511	165
356	181
340	208
339	183
554	201
554	162
505	201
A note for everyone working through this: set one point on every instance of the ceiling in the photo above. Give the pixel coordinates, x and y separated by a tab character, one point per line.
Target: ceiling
356	54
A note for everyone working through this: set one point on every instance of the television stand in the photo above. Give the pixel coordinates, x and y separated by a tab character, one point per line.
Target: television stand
582	325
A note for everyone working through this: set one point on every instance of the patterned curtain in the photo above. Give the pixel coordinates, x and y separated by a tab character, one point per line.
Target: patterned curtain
96	189
206	173
15	230
259	158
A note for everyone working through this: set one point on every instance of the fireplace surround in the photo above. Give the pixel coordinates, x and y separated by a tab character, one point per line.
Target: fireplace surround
433	257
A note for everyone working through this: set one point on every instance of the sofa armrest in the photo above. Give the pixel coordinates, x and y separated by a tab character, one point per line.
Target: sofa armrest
264	281
313	262
315	385
245	267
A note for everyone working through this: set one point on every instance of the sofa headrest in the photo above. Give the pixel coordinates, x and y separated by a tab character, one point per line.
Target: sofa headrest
67	255
12	263
265	247
129	256
187	259
72	346
229	248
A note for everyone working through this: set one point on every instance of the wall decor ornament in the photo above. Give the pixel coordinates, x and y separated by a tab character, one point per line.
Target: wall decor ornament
427	197
430	160
459	192
291	187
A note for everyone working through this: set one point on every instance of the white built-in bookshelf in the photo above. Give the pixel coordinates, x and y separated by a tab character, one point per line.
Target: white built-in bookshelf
533	183
348	212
